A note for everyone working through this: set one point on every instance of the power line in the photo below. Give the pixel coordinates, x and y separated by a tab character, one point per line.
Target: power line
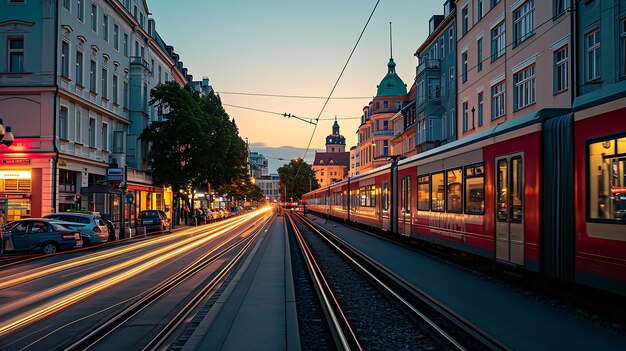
337	82
282	114
295	96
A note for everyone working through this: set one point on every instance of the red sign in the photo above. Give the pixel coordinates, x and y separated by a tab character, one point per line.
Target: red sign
617	190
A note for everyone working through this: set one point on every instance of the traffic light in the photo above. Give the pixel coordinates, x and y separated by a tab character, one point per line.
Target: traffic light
77	199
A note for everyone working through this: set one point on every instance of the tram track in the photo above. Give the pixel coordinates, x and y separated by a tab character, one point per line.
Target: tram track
231	252
446	329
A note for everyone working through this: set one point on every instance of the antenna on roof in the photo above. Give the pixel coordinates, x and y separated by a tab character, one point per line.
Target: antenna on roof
390	42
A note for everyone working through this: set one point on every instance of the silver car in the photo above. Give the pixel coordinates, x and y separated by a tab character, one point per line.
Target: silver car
93	229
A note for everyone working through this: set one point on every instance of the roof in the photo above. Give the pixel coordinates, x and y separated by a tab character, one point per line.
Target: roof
332	159
391	85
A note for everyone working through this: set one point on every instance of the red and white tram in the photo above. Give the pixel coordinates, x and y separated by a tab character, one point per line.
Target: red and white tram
545	192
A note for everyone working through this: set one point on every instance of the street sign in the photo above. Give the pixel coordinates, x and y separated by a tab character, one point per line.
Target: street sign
115	174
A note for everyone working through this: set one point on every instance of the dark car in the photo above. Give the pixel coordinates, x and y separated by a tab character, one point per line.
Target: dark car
45	235
154	220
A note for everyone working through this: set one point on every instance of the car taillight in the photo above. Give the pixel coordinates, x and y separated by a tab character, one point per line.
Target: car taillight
97	229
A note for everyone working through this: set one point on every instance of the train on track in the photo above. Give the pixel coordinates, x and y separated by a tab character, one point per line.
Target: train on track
545	192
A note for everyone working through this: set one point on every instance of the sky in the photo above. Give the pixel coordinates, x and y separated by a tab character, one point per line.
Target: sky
293	47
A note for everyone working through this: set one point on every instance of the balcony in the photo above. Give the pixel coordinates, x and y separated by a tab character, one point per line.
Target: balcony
384	110
388	132
427	64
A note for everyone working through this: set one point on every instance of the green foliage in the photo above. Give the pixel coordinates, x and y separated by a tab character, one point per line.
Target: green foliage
297	178
196	143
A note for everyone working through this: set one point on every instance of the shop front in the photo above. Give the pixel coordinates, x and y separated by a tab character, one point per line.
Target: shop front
16	191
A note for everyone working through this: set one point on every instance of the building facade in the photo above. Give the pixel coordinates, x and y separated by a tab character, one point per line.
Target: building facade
435	78
333	165
355	161
258	165
403	123
269	187
513	60
75	88
375	132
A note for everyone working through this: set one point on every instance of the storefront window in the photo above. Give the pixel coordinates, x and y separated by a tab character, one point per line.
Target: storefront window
454	187
423	193
475	189
607	179
67	181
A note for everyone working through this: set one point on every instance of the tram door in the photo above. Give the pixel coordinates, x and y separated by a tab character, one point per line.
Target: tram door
510	209
405	206
385	205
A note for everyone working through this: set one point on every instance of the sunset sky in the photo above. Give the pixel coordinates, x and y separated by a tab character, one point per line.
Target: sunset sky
287	47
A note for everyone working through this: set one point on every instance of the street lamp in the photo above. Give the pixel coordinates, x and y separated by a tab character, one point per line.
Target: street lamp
6	134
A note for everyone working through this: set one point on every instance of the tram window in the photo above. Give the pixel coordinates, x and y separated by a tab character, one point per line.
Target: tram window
475	190
423	193
437	192
454	190
502	193
367	196
607	179
517	189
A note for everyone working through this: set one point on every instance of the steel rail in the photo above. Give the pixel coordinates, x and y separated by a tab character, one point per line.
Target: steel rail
101	331
343	334
182	315
410	297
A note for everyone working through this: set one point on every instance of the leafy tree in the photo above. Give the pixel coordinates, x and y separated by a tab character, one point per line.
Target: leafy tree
297	178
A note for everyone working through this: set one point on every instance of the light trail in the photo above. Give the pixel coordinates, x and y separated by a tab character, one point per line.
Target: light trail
65	301
81	261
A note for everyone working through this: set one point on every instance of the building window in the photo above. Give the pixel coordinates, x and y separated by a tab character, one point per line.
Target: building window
605	176
421	92
561	70
116	37
94	18
479	9
126	96
498	100
125	44
78	124
16	55
444	125
67	181
66	4
104	80
480	108
454	190
80	10
79	68
434	88
465	116
437	192
464	20
452	78
105	27
105	136
65	58
475	189
494	3
524	22
592	57
63	115
623	48
442	47
92	132
115	89
524	88
560	6
92	76
479	53
385	104
450	39
498	42
464	67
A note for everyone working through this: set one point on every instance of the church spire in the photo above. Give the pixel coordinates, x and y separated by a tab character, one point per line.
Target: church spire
336	127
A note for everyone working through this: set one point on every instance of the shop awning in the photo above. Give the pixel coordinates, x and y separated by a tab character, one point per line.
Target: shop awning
99	189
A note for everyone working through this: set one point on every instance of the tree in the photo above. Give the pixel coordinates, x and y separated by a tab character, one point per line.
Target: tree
196	143
296	178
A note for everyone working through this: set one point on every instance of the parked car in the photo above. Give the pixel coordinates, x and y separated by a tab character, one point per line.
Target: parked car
154	220
39	234
94	229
